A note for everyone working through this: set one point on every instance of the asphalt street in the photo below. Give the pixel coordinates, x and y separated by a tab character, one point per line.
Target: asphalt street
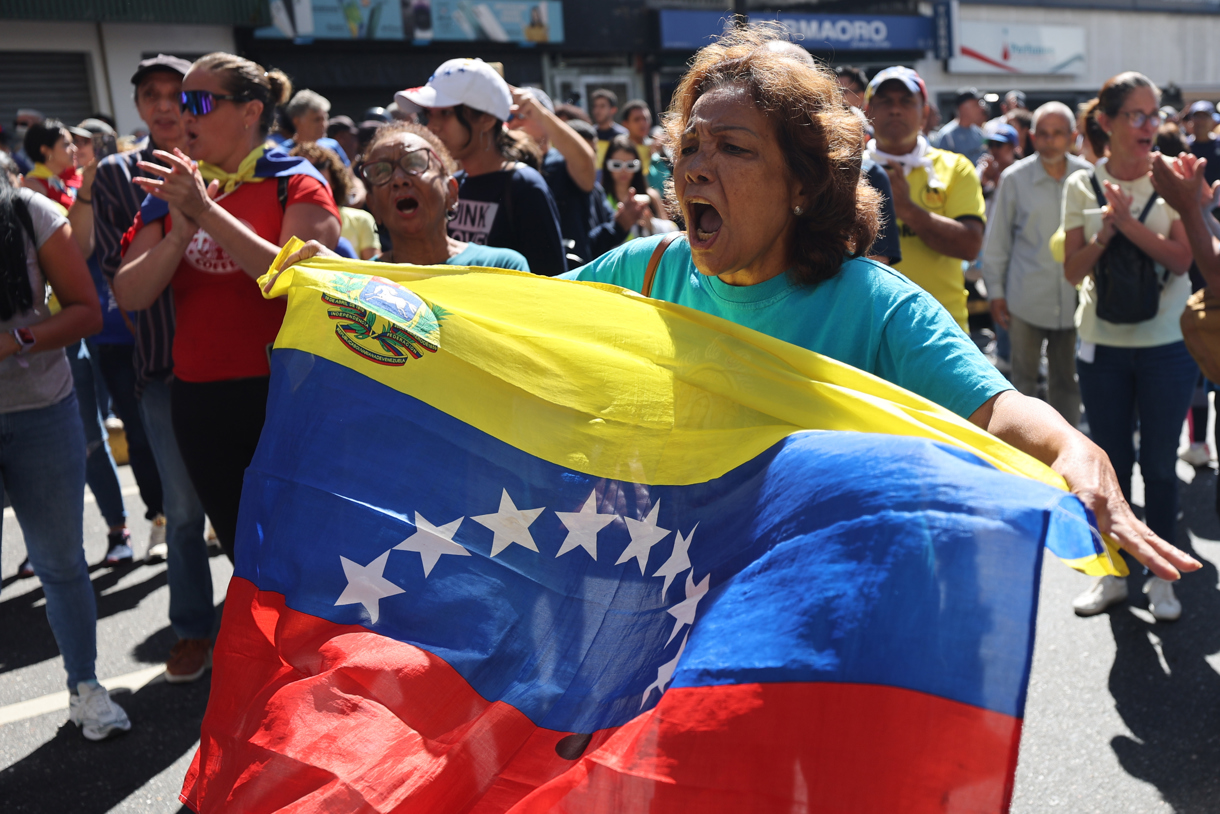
1123	713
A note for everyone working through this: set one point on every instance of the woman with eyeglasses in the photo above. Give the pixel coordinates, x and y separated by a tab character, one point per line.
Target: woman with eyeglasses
210	227
623	178
1131	368
502	199
412	190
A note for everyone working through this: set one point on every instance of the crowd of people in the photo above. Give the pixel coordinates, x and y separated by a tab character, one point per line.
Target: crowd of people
823	208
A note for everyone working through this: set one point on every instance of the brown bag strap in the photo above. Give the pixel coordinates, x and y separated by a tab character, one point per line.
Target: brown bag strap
655	261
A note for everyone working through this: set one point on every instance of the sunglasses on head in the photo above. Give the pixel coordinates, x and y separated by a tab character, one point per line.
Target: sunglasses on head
614	165
414	162
203	102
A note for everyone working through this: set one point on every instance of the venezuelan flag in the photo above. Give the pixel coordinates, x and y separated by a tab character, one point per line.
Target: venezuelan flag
519	544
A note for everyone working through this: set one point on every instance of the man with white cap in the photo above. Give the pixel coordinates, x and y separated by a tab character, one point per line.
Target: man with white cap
937	195
502	199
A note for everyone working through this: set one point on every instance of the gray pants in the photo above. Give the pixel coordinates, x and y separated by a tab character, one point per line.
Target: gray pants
1062	390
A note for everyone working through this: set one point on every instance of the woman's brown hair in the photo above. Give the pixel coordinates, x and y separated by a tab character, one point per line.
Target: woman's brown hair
1098	138
249	81
820	138
324	159
389	131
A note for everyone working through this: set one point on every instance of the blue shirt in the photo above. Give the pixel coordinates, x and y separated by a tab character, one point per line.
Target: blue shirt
969	141
868	316
491	257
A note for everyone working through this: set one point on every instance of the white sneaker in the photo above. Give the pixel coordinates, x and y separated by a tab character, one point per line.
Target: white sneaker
1162	601
1106	591
157	549
1196	454
91	709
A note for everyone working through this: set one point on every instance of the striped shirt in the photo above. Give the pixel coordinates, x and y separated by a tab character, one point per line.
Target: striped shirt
116	200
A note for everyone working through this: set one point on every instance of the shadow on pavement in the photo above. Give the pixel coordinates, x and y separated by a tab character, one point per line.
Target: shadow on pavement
28	638
69	773
1164	689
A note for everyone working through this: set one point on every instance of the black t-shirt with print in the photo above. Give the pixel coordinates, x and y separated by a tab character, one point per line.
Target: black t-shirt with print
511	209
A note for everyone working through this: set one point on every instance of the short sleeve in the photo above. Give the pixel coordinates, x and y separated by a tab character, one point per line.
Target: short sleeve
305	189
964	198
623	266
1077	197
925	351
45	217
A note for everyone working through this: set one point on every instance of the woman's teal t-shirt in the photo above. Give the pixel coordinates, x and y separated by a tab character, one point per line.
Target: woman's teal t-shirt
868	316
492	257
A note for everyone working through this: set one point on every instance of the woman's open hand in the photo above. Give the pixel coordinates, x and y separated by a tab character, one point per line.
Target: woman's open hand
1181	182
180	185
311	249
1118	210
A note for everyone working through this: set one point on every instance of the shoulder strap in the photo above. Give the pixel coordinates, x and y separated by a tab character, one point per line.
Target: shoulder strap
651	273
281	192
1148	206
1101	196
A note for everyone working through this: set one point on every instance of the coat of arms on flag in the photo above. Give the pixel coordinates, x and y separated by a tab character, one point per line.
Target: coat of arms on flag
584	551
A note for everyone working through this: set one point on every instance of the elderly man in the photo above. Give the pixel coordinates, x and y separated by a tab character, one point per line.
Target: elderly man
937	196
1029	295
965	133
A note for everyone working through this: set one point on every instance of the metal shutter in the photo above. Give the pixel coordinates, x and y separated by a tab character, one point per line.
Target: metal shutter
55	83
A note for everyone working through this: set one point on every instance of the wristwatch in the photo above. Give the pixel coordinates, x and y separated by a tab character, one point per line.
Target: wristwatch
25	340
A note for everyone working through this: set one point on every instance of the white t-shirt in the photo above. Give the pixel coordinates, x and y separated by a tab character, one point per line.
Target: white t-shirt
48	378
1081	210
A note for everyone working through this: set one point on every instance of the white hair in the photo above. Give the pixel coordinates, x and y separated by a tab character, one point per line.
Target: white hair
1057	108
305	100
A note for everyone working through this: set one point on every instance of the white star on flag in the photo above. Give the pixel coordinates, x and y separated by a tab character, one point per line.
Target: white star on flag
665	674
678	561
366	585
644	535
432	542
684	611
583	527
510	524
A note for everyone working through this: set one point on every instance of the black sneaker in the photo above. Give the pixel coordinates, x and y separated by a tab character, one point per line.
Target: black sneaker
119	552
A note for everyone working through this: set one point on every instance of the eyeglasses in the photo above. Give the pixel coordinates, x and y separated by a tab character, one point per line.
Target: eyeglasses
414	162
614	165
1139	118
203	102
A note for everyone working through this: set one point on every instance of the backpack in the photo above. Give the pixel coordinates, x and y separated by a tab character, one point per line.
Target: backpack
1127	287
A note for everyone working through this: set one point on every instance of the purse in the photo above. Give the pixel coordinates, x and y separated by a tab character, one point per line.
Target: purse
1126	286
1201	331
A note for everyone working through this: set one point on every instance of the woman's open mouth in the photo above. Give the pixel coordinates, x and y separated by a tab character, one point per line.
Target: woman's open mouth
406	205
704	223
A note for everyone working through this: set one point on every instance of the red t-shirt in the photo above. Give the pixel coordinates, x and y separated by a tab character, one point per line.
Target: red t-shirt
224	326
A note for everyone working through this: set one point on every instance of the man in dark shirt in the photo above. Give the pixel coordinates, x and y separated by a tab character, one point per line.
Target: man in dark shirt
1203	119
603	107
116	200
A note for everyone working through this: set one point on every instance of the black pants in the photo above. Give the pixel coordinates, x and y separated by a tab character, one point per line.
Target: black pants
217	425
119	373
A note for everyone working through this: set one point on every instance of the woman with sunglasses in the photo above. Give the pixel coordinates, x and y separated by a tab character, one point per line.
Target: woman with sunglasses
1131	368
623	178
412	190
502	199
210	230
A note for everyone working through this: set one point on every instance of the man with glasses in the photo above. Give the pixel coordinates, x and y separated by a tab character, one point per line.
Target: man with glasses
116	200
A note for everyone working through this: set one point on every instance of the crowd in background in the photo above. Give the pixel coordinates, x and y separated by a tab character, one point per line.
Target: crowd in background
151	244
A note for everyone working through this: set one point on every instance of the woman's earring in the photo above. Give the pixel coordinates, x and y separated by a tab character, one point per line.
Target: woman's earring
451	214
797	211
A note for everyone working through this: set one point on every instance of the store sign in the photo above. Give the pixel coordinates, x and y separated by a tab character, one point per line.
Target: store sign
521	21
1028	49
691	30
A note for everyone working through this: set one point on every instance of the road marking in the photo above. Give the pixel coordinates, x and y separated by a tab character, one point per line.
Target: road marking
59	700
89	498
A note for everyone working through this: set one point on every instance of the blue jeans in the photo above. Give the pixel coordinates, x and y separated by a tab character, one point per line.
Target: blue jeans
1156	384
94	404
42	472
191	613
119	374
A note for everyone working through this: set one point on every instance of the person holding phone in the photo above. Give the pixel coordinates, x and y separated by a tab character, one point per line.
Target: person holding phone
623	174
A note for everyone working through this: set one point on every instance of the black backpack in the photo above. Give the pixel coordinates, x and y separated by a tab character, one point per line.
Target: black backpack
1126	285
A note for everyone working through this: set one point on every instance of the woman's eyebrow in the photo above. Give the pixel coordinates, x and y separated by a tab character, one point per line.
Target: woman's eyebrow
720	128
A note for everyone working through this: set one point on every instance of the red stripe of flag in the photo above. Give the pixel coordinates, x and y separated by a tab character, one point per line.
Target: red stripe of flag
347	720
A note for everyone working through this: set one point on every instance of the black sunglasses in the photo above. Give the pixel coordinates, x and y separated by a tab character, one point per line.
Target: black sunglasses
203	102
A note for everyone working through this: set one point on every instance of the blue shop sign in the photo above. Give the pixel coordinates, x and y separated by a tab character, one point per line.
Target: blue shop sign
691	30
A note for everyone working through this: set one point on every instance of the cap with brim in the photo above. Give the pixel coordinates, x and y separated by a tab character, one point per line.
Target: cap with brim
340	124
79	131
470	82
909	79
97	127
1016	96
161	62
1002	133
1204	106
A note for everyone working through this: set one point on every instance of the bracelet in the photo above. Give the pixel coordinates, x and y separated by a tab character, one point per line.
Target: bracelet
86	201
1097	241
25	340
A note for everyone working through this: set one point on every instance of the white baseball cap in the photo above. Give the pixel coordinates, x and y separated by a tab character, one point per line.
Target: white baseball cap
470	82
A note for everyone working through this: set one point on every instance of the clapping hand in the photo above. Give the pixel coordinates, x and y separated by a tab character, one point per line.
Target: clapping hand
1181	182
180	185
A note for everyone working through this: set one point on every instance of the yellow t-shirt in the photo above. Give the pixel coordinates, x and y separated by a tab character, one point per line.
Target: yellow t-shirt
360	230
1081	211
957	193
